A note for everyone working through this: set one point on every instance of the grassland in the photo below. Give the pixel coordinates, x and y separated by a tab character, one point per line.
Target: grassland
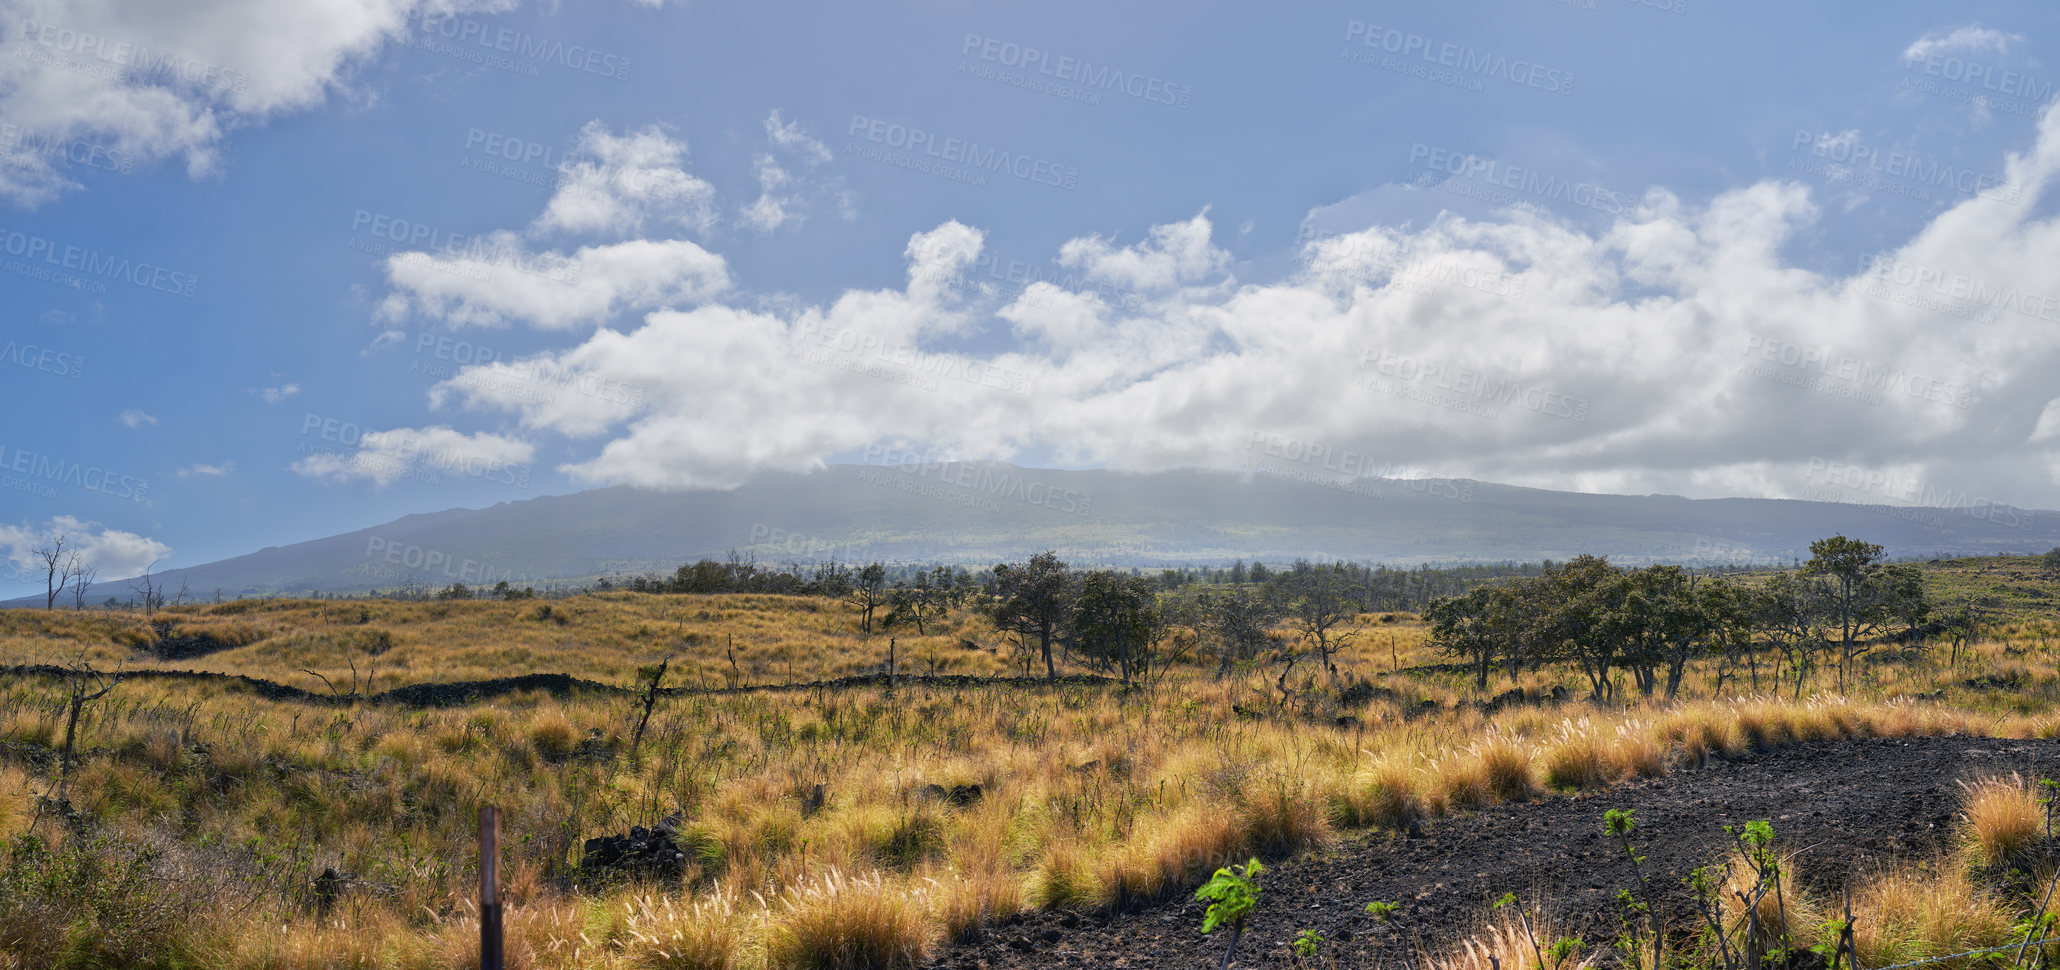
203	816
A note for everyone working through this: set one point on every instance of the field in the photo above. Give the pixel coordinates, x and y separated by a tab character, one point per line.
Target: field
215	822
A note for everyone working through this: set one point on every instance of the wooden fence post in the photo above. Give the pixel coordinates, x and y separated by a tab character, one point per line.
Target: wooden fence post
489	888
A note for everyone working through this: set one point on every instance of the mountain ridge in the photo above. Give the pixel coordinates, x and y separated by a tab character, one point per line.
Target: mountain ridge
977	513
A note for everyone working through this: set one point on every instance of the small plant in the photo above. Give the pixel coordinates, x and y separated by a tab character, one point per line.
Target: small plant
1637	906
1232	892
1382	911
1307	943
1559	951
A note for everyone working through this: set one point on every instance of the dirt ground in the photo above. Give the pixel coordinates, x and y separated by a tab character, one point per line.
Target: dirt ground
1847	805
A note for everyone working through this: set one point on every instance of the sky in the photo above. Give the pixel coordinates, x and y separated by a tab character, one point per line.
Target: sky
270	272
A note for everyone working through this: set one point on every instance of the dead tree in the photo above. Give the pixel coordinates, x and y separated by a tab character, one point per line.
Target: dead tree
83	686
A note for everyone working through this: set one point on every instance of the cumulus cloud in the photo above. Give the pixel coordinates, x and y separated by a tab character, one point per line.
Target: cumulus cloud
384	457
1971	38
1176	254
136	419
788	186
205	470
273	395
501	282
1676	349
623	185
111	552
143	81
616	186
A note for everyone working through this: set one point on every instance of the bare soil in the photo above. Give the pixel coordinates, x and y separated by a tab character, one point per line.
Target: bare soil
1845	806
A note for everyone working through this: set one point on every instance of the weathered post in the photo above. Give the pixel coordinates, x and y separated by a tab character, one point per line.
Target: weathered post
489	888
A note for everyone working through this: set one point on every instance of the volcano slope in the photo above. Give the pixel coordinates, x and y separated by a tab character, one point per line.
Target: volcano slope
1846	808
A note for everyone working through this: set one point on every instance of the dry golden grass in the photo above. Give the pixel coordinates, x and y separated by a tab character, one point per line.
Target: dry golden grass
1090	796
2001	818
1915	913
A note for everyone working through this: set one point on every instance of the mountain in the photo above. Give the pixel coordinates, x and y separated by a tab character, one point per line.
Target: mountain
981	513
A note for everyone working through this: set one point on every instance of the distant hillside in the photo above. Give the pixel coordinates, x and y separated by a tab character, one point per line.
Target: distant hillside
980	513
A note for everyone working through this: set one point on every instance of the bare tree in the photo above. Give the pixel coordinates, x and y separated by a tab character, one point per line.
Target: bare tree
57	568
81	681
153	595
83	576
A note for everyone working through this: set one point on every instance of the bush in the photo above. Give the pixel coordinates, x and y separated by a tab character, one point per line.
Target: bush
90	902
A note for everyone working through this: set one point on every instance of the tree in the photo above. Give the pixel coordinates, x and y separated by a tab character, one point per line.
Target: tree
1242	622
1901	592
866	590
916	600
1581	593
1116	619
1473	626
1321	600
2052	560
1792	610
82	580
1033	600
1851	565
152	594
59	569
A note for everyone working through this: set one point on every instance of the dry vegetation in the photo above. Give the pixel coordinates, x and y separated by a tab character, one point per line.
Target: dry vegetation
206	816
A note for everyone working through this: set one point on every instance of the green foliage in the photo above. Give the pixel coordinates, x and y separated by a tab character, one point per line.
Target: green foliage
1382	911
1234	890
91	902
1307	943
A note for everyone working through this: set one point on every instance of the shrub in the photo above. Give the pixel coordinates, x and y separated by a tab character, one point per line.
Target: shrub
2002	818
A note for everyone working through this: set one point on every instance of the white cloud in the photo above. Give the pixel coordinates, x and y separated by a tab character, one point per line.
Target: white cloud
204	470
1971	38
112	552
1176	254
384	457
618	185
1518	348
504	282
136	419
148	81
788	190
273	395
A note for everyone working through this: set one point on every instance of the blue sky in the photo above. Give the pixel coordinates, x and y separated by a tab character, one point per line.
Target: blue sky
327	264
